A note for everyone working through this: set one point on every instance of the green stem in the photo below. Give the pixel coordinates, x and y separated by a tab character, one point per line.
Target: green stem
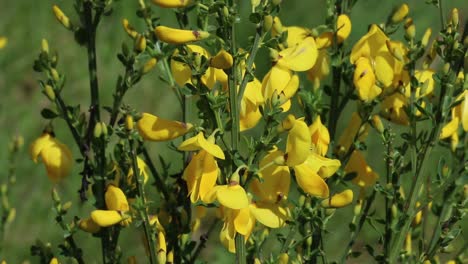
143	212
249	65
203	240
362	220
95	116
76	136
408	215
441	15
157	178
240	249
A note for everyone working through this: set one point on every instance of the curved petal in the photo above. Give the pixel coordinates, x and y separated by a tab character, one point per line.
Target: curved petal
339	200
270	215
232	196
300	57
116	199
298	143
310	181
105	218
155	128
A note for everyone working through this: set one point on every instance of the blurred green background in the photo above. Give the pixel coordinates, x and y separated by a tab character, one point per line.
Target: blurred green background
26	22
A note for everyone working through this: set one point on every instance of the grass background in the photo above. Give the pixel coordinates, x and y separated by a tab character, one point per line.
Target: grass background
26	22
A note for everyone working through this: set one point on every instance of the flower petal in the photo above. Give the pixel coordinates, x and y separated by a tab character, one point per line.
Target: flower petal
232	196
270	215
158	129
105	218
339	200
310	181
116	199
300	57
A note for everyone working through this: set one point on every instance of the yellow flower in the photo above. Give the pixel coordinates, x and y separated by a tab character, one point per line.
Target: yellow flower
298	142
310	175
179	36
172	3
199	142
88	225
236	221
338	200
295	34
155	128
393	108
56	156
280	84
320	137
459	116
350	132
269	214
183	73
222	60
275	179
365	175
300	57
364	80
343	25
142	169
201	175
117	208
373	46
427	84
250	105
321	68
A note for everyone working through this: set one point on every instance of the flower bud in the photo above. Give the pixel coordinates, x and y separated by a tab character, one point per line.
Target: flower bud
129	29
455	19
357	207
426	37
3	42
149	65
170	257
104	128
55	196
140	43
45	46
302	200
222	60
283	258
267	23
61	17
400	13
55	74
377	123
394	210
408	243
129	124
446	68
277	26
66	206
97	130
49	92
410	29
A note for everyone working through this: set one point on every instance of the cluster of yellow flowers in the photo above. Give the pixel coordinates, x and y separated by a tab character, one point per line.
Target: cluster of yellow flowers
379	75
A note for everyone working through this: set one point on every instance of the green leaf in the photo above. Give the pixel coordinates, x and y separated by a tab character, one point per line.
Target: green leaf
48	113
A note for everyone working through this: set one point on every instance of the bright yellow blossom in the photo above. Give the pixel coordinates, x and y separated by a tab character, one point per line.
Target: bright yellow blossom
142	169
201	175
321	68
250	105
338	200
364	80
155	128
320	137
350	132
56	156
199	142
280	84
365	175
459	117
298	142
117	209
300	57
393	108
